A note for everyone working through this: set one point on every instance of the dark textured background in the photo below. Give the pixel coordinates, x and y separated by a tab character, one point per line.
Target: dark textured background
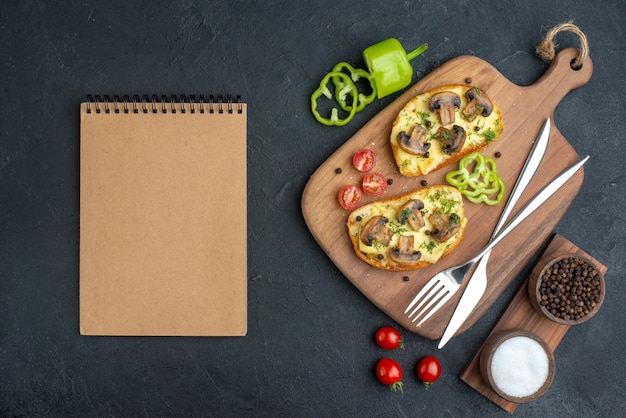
309	349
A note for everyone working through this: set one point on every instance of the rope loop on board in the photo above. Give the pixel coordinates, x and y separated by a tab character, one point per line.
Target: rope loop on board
546	48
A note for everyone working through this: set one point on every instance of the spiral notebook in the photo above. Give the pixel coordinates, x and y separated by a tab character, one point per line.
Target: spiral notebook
163	216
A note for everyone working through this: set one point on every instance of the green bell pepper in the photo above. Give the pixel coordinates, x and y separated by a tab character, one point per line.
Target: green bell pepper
347	88
389	63
389	71
479	184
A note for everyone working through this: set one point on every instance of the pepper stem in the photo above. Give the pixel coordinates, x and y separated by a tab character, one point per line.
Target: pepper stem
417	52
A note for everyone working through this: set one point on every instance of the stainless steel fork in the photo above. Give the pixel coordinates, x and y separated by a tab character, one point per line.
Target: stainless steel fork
444	284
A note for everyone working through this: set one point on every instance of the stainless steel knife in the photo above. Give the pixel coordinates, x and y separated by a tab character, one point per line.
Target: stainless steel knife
478	282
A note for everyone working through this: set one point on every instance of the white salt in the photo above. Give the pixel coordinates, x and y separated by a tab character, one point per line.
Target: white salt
520	366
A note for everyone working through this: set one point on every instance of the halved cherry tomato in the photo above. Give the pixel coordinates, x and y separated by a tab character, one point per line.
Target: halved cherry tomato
429	370
389	338
374	184
364	160
349	197
389	372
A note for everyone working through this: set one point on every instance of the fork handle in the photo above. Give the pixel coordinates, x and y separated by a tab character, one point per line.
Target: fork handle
532	205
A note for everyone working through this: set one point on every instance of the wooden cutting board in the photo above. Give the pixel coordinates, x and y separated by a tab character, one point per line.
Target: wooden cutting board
524	110
521	315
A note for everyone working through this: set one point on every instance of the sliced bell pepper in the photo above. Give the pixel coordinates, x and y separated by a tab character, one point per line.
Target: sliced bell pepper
348	87
341	89
479	183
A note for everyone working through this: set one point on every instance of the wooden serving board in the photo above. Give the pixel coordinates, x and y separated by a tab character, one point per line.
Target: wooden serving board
521	315
524	110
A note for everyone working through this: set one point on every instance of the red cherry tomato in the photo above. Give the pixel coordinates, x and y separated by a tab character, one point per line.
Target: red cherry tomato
349	197
364	160
374	184
389	372
389	338
429	370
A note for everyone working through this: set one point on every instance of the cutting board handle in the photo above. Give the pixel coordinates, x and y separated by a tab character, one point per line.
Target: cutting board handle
561	78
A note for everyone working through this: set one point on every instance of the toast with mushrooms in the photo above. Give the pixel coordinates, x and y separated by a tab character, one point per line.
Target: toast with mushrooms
441	126
409	231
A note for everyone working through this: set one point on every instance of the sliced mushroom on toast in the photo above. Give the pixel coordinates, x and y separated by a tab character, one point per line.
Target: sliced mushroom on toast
444	226
376	231
417	143
405	253
478	104
445	103
411	213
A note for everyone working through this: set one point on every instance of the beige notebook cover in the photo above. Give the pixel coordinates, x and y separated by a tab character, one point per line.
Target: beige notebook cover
163	218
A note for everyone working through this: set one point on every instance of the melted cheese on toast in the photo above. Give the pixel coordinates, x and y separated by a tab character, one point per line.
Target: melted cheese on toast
480	131
443	200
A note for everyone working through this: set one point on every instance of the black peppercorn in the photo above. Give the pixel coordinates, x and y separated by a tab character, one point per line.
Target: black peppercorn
565	290
338	170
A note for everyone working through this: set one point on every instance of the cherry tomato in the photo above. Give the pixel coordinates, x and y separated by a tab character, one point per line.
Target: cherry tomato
374	184
349	197
389	338
429	370
389	372
364	160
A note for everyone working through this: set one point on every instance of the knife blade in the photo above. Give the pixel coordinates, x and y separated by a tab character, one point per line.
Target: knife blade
477	283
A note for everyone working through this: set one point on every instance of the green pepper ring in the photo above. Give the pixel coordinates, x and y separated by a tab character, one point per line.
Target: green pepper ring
323	90
484	197
341	89
470	183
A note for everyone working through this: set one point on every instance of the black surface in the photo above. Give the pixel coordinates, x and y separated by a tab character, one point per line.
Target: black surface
309	349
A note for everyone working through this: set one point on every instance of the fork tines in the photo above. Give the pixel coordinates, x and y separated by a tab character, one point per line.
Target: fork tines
434	293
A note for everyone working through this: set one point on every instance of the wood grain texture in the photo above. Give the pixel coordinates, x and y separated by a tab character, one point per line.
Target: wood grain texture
524	110
521	315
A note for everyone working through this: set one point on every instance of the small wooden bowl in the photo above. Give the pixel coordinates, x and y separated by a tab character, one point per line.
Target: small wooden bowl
535	281
487	357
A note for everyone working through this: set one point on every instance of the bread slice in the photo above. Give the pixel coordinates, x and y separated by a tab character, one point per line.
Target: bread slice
423	133
408	231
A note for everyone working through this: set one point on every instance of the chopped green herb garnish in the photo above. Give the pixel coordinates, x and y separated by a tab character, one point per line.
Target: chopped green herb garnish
395	227
377	244
404	215
430	246
489	135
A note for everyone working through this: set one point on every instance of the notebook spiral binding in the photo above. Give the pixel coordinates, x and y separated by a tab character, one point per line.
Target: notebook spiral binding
146	103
